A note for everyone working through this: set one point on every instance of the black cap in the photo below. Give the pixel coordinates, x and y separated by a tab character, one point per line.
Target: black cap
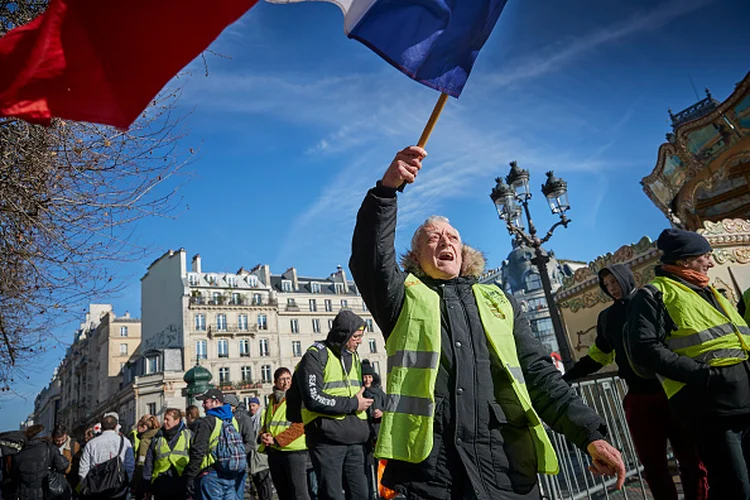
211	394
678	244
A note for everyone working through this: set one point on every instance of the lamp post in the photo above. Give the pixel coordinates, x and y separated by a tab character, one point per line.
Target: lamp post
511	197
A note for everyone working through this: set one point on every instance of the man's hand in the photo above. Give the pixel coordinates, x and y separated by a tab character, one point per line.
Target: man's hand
266	438
377	414
606	460
363	403
404	167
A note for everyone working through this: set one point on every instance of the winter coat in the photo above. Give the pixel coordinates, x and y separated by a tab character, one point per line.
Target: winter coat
481	436
104	447
712	393
168	484
199	447
29	467
610	330
308	379
144	445
376	393
256	462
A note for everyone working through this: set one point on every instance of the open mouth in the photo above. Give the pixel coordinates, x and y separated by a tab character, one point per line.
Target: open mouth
446	257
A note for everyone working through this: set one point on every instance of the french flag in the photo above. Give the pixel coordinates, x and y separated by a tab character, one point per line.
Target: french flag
434	42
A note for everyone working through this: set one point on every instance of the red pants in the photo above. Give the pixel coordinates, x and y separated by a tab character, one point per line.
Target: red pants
651	424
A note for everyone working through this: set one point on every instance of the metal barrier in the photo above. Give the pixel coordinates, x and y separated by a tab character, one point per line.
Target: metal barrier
574	481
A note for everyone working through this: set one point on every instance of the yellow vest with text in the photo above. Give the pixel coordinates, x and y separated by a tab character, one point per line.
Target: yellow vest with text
413	347
746	298
177	457
336	382
275	423
703	332
213	441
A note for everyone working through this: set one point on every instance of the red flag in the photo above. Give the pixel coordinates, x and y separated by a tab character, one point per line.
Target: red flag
103	61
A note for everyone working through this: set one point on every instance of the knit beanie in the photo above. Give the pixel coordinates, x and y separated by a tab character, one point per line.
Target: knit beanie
678	244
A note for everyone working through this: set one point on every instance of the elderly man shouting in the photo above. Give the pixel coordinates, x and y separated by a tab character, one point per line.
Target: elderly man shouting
468	384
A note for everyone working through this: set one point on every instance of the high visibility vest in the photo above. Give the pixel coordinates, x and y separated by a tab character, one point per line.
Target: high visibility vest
135	440
213	441
406	429
336	382
275	423
703	332
601	357
746	298
178	457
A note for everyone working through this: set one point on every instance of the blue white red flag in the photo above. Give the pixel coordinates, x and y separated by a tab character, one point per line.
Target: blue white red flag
434	42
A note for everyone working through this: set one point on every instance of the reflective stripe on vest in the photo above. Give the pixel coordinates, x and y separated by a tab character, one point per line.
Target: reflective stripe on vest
275	423
177	457
413	347
336	383
213	441
703	332
746	298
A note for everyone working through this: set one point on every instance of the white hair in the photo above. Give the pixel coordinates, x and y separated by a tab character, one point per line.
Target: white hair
430	221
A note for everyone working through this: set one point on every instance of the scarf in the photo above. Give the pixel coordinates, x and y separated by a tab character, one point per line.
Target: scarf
278	395
693	277
170	433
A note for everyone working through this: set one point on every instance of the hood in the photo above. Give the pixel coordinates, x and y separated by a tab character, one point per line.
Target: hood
344	326
624	277
367	369
222	412
472	263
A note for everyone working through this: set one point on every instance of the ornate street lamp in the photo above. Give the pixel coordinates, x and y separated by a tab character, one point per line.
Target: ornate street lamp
507	197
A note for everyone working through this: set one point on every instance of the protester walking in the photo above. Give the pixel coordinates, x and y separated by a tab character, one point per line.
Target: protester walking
694	340
166	459
147	427
469	385
218	463
260	472
646	409
30	467
110	445
71	450
371	383
284	442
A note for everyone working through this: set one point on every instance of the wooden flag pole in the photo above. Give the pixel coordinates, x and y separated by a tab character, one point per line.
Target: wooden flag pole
439	105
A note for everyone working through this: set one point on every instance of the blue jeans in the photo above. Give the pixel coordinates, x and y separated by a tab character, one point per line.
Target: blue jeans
213	487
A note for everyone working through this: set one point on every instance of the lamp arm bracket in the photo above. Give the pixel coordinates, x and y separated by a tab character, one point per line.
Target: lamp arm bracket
525	237
563	222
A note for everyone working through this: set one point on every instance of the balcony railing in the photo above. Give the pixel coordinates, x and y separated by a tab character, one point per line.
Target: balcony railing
239	385
232	330
224	301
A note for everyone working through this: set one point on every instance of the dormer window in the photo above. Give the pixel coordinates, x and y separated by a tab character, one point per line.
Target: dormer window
193	279
314	287
339	288
286	285
252	280
232	281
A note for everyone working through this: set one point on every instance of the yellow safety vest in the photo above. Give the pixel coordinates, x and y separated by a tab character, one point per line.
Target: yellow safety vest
336	382
136	441
213	441
276	423
406	429
601	357
746	298
177	457
703	332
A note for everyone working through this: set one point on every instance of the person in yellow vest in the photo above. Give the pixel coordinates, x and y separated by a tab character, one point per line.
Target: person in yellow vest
468	385
329	381
695	342
166	459
284	442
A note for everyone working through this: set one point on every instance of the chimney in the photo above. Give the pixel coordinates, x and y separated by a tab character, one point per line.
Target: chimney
127	315
291	274
196	268
263	272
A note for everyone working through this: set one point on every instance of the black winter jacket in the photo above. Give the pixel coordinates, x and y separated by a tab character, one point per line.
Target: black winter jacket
168	484
308	380
376	393
29	468
711	394
610	328
481	439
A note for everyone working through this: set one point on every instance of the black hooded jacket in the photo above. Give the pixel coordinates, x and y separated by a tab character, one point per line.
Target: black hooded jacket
610	328
308	381
376	393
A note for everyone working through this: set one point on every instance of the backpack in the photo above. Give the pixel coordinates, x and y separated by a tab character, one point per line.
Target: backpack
107	479
230	450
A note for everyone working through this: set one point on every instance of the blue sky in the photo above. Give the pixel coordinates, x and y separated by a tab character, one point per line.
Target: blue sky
294	123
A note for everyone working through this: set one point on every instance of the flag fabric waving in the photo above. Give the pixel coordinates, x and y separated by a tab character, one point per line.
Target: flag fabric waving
103	61
434	42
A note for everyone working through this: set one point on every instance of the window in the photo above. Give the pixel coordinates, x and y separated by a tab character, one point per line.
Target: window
236	299
257	299
242	322
364	306
244	348
123	349
200	349
223	348
263	344
373	345
265	401
223	374
376	366
296	348
192	279
152	365
316	325
368	323
313	305
291	303
151	408
246	400
294	325
216	298
221	322
329	306
252	281
123	331
538	304
330	324
232	281
122	365
344	303
286	285
339	288
200	322
533	282
247	373
315	287
265	371
262	322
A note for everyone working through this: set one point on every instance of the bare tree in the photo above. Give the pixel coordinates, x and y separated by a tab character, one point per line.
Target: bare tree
70	196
